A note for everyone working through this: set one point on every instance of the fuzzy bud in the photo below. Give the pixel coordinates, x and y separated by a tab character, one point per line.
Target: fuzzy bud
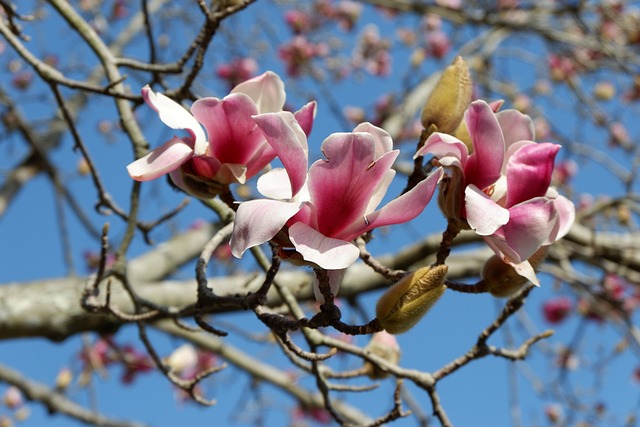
404	303
64	379
502	279
449	99
385	346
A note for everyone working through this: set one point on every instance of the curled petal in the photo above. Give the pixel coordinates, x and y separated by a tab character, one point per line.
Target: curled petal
449	150
289	141
258	221
566	217
529	172
381	139
332	254
305	116
166	158
175	116
515	126
266	91
483	214
484	165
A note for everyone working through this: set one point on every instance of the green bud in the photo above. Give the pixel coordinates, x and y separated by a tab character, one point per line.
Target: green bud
449	99
502	280
404	303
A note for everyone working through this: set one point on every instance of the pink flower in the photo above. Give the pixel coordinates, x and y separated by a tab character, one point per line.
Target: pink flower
557	309
236	149
237	70
314	217
505	181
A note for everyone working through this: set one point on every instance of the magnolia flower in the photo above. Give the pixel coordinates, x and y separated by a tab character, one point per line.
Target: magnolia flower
501	190
315	216
235	149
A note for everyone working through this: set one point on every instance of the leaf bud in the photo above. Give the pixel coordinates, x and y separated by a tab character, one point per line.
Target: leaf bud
449	99
502	280
404	303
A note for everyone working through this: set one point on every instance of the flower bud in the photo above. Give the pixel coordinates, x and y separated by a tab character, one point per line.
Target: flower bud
404	304
385	346
502	279
63	380
449	99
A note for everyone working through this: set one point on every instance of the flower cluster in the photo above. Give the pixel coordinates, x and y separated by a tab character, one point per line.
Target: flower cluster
499	184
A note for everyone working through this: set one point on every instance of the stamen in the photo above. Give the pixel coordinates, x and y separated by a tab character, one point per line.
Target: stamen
366	221
371	165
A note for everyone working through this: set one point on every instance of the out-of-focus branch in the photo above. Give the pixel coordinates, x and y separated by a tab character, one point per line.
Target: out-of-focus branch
58	403
262	371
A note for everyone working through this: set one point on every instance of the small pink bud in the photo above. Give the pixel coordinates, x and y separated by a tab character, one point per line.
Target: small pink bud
557	309
385	346
13	397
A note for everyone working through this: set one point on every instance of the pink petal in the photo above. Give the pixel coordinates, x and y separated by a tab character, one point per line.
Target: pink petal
483	214
175	116
342	186
525	270
332	254
234	136
335	280
169	156
448	149
484	164
305	116
515	126
399	210
289	141
382	140
566	217
380	192
529	226
275	184
266	91
258	221
529	172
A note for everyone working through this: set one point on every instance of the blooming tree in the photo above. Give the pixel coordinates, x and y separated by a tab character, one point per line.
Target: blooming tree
375	197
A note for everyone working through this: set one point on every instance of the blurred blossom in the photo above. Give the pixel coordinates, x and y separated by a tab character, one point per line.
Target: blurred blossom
237	71
135	362
406	36
618	134
554	413
542	127
22	79
347	13
561	67
372	52
438	44
13	397
567	359
604	90
119	9
451	4
83	167
14	66
298	21
557	309
63	379
564	171
432	22
92	260
299	52
522	103
354	114
318	415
